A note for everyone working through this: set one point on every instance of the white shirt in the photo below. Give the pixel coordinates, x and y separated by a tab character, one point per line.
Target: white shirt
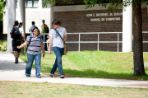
57	41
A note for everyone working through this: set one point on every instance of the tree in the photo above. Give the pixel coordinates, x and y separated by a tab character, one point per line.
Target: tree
46	3
1	9
137	39
137	29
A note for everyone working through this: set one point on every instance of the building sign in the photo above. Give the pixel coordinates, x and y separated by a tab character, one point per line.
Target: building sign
91	21
101	17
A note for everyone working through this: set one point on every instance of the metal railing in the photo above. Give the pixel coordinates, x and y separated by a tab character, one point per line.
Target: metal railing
79	41
98	41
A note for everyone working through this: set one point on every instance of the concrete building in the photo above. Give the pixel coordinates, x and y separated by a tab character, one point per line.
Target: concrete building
34	12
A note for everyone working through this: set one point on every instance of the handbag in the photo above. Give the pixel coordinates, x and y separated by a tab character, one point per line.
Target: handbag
65	45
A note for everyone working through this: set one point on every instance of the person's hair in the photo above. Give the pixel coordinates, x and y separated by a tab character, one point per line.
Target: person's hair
16	23
37	30
20	24
56	22
33	23
43	21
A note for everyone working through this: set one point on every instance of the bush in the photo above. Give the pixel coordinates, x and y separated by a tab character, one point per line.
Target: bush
3	45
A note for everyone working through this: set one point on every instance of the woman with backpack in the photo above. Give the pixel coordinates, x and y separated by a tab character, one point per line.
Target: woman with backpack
34	49
16	40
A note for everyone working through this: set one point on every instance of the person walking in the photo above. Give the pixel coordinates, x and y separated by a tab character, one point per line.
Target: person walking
32	27
16	40
34	49
44	31
22	31
57	35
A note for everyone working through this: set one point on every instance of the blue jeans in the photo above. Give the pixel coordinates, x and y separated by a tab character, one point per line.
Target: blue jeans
31	58
58	61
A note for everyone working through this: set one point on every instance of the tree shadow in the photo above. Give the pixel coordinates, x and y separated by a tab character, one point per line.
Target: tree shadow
102	74
6	65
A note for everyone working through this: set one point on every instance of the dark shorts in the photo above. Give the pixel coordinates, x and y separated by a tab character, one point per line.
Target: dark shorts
16	43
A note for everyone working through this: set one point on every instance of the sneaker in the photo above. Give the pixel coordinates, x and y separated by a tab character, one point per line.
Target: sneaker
51	75
38	76
61	76
27	75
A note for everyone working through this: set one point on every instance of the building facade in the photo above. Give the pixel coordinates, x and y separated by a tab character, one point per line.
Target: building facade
94	28
98	28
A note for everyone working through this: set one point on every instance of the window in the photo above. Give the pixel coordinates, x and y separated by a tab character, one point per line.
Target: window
32	3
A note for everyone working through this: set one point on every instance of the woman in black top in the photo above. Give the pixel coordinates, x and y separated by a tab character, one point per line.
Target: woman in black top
16	40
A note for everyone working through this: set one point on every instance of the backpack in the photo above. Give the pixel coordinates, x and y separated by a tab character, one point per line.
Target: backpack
15	34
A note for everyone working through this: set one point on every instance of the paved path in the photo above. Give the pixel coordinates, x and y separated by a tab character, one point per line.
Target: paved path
15	72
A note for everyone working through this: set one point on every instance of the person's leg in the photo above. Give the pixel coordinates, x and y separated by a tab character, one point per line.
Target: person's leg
30	58
59	61
54	68
14	44
17	51
38	65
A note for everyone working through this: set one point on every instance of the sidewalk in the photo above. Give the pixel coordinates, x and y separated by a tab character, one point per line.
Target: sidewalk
15	72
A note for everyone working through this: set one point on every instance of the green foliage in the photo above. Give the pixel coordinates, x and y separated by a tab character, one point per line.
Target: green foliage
1	9
113	3
110	4
46	3
3	45
53	2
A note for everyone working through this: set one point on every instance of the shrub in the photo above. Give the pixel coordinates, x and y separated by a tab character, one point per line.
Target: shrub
3	45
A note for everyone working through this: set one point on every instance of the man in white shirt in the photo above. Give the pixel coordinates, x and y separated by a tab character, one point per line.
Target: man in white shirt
57	37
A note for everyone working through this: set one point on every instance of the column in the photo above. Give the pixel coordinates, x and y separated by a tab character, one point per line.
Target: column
21	10
127	29
11	16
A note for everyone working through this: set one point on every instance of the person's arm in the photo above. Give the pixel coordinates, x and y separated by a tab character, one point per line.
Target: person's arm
49	43
65	36
43	50
22	45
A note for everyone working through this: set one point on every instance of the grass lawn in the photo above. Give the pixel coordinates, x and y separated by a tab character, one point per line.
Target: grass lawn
95	64
46	90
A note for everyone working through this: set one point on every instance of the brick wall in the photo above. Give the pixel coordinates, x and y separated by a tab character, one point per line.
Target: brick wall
97	21
78	21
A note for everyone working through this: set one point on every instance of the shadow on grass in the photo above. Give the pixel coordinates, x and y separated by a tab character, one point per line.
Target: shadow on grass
102	74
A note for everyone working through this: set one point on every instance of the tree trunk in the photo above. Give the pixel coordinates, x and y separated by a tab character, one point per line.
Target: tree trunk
137	40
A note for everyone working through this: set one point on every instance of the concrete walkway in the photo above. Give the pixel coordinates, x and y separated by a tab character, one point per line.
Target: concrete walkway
15	72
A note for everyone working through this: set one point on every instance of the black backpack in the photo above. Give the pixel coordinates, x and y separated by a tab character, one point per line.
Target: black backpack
15	34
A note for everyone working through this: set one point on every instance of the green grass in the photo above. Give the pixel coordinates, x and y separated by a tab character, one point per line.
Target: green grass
47	90
95	64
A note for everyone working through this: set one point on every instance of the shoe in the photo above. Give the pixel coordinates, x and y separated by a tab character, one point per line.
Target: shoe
16	60
27	75
38	76
61	76
51	75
